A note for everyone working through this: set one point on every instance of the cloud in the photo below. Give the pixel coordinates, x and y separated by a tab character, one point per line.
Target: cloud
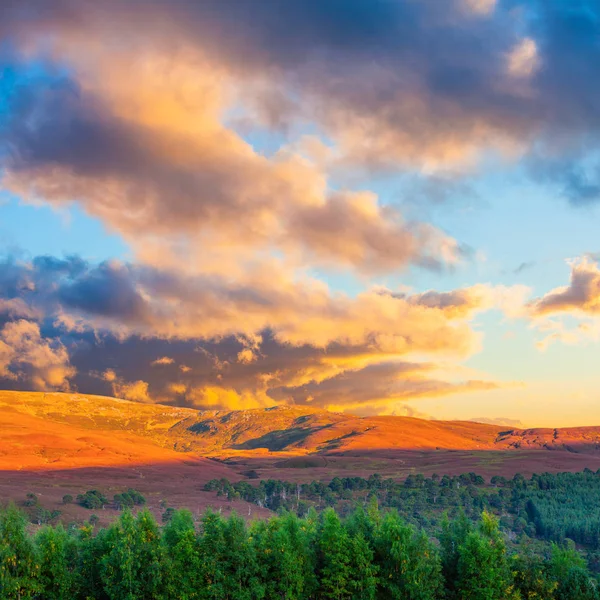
498	421
140	128
28	357
113	150
130	299
380	386
163	360
569	314
479	7
141	113
252	344
524	266
136	391
523	58
582	295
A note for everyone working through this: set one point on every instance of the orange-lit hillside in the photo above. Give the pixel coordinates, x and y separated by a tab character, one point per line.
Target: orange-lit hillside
56	430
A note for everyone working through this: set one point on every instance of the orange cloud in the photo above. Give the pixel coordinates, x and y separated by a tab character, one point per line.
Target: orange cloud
582	295
163	360
553	313
25	354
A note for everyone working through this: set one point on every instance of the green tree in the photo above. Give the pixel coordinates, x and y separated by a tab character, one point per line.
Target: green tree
91	552
183	579
284	557
568	567
132	566
452	537
531	575
212	547
483	572
345	564
242	581
19	565
58	559
409	565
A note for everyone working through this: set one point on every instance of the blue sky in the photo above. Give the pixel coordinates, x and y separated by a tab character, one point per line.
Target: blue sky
390	208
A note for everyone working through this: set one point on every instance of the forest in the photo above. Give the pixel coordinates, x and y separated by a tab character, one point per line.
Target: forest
424	538
370	554
551	507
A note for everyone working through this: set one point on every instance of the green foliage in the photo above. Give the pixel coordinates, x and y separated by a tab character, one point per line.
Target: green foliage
19	568
532	575
132	566
168	514
182	577
568	567
67	499
92	499
371	554
58	575
346	568
284	557
482	568
550	506
409	564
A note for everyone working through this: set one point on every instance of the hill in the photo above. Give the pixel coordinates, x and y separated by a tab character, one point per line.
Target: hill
41	429
54	430
55	444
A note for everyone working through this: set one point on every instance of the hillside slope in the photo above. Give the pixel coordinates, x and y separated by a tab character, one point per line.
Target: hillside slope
83	428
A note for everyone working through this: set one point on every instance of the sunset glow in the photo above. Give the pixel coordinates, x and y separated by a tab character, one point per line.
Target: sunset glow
377	208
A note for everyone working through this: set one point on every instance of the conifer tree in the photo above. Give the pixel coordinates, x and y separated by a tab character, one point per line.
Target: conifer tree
453	535
280	563
242	581
212	547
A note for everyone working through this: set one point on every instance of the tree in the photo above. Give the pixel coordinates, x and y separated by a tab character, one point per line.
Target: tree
242	580
91	552
131	569
67	499
345	564
92	499
183	580
531	575
19	565
363	582
58	559
212	547
409	565
453	535
568	567
284	557
577	585
483	572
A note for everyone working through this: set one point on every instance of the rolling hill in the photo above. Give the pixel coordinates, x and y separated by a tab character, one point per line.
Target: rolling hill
54	444
45	429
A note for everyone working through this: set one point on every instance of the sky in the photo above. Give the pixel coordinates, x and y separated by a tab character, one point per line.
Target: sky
368	206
